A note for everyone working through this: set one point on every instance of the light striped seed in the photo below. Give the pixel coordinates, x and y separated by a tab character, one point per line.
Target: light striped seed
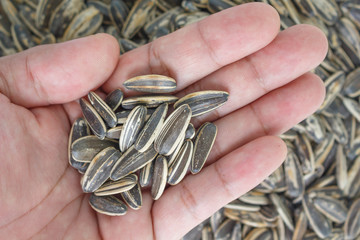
172	156
332	208
137	17
114	99
151	83
174	126
94	120
99	169
146	174
319	223
259	234
108	205
115	187
85	148
159	177
132	127
300	227
123	115
103	109
131	161
133	197
283	210
151	129
178	168
203	101
341	167
204	140
238	205
190	132
352	223
118	13
206	233
79	129
225	229
151	101
114	133
294	176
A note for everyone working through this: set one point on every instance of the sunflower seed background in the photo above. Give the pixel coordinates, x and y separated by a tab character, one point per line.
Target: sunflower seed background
323	164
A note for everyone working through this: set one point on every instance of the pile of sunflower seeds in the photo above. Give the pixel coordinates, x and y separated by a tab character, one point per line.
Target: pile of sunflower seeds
136	137
322	170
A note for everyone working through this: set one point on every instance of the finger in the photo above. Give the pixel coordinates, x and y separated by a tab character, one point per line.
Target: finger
272	114
58	73
201	48
293	52
199	196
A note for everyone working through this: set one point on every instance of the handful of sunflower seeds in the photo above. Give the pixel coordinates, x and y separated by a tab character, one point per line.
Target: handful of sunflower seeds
138	137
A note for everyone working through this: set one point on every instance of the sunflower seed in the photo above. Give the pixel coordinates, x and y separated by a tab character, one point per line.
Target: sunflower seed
10	11
206	233
341	167
94	120
173	155
203	101
131	161
85	148
159	177
118	13
151	83
204	140
99	169
62	16
22	37
259	234
317	221
190	131
137	17
150	101
43	11
146	174
219	5
115	187
236	232
84	24
352	223
224	230
174	126
114	99
178	168
331	208
300	227
79	129
294	177
132	127
103	109
352	83
283	210
238	205
114	132
108	205
133	197
151	129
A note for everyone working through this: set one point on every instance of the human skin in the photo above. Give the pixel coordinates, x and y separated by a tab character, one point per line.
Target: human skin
239	50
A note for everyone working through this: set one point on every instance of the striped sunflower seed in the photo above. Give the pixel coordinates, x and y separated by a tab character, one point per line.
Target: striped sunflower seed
206	233
79	129
131	161
108	205
204	140
225	229
159	177
150	101
114	133
114	99
118	13
319	223
94	120
99	169
172	156
151	83
85	148
174	126
190	132
178	168
103	109
115	187
352	223
203	101
151	129
332	208
146	174
133	197
132	127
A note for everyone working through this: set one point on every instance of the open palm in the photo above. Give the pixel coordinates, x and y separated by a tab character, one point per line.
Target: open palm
238	50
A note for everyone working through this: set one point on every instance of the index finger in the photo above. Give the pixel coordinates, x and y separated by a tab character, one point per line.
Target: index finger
199	49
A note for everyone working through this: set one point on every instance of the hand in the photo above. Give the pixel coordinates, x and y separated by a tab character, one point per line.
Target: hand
239	50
